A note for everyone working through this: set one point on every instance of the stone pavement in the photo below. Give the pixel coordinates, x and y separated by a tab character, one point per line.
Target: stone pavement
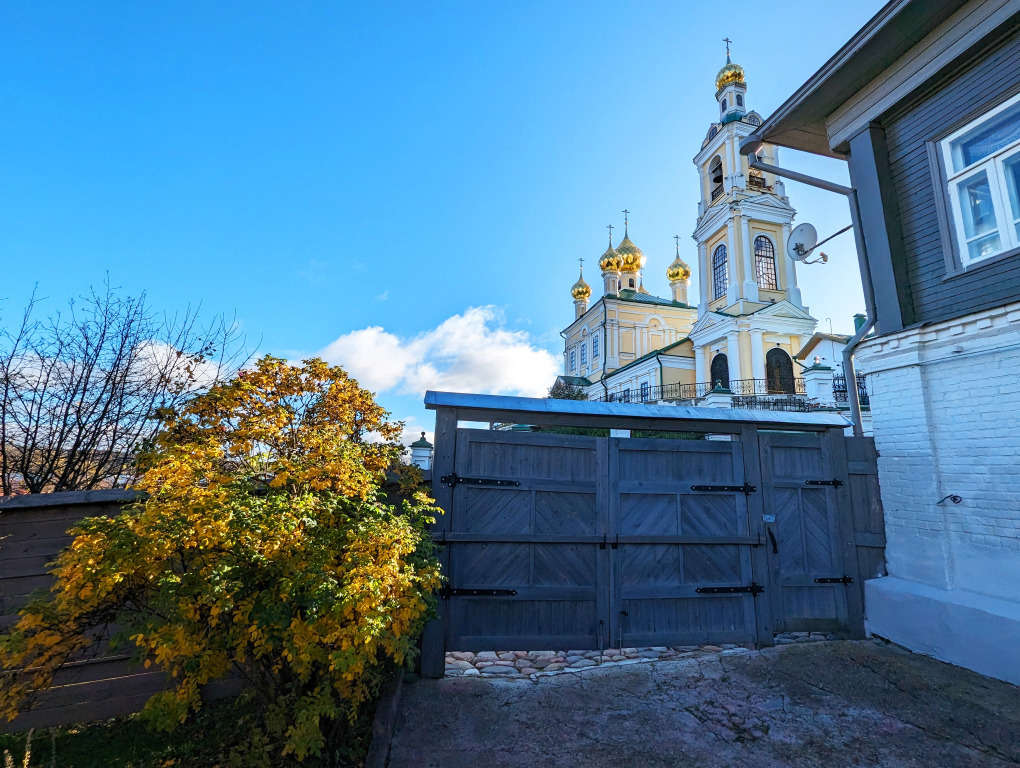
798	705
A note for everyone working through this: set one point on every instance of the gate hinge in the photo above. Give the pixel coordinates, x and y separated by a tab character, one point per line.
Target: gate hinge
453	479
447	592
835	482
835	580
754	588
746	488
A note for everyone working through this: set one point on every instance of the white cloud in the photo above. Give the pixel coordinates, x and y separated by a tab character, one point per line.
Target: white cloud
470	352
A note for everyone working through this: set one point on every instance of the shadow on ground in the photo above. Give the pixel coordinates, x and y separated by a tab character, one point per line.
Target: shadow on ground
825	704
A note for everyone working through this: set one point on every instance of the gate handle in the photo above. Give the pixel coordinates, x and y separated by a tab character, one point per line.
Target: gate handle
772	537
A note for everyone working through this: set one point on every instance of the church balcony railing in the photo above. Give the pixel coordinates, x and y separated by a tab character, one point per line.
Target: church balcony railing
778	403
839	389
783	385
692	392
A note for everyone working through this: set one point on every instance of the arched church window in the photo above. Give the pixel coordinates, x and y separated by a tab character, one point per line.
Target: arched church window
779	372
765	263
720	272
715	176
720	371
631	282
740	100
722	106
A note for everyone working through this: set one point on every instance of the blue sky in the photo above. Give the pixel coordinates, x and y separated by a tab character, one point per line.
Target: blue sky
405	187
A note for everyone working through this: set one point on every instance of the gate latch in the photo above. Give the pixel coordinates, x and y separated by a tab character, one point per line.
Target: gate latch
754	588
835	580
835	483
453	479
746	488
447	592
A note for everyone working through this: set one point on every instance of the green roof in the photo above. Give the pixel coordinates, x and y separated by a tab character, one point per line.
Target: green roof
629	294
648	356
575	381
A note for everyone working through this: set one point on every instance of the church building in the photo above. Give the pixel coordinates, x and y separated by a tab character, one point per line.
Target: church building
750	322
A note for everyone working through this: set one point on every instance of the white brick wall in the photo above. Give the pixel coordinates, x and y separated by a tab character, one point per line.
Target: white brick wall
945	402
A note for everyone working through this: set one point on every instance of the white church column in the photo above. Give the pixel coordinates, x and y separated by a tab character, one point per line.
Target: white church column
733	355
700	368
757	354
791	270
750	283
730	167
733	289
703	269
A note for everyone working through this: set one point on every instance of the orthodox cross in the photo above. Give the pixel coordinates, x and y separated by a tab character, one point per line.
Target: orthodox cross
727	41
610	227
677	239
626	213
581	262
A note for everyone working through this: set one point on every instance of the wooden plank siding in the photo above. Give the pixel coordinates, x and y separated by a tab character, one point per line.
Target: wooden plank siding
953	100
104	685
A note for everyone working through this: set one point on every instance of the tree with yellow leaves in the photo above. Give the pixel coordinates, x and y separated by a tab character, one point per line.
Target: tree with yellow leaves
262	550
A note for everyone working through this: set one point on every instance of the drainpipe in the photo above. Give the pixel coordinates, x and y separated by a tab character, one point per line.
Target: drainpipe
749	148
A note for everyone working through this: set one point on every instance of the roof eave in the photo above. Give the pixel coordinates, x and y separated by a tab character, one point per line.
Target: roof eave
800	122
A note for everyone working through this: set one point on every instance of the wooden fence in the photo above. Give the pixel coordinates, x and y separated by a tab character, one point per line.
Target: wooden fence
33	529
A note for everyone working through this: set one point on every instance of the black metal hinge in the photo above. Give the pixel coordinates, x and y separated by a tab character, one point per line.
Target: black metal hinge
835	483
754	588
745	488
835	580
453	479
447	592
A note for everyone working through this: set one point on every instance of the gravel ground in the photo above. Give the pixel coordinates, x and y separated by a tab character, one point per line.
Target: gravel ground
812	705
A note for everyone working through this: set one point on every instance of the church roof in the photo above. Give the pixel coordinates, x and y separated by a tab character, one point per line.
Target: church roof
660	351
575	381
629	294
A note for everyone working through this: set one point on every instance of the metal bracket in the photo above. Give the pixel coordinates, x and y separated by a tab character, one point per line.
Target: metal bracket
746	488
754	588
447	592
835	483
835	580
453	479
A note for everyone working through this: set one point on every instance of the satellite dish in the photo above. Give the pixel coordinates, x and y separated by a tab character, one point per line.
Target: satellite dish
802	241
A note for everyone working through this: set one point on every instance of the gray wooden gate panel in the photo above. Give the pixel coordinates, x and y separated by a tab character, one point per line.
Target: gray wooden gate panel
805	524
539	539
673	540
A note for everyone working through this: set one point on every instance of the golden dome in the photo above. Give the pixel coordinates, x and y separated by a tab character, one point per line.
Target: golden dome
610	260
631	257
580	290
679	270
731	73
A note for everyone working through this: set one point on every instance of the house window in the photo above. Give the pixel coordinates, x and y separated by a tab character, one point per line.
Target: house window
644	391
720	272
573	359
594	347
982	162
765	263
584	354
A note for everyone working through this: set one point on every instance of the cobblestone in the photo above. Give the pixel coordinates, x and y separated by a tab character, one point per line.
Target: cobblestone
535	664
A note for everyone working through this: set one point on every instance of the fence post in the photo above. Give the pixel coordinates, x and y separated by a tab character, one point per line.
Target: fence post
433	639
818	386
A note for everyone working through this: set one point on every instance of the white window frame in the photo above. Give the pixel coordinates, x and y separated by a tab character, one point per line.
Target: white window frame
584	353
594	348
992	166
573	359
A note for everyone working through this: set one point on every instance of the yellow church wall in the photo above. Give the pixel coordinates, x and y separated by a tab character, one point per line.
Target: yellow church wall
744	345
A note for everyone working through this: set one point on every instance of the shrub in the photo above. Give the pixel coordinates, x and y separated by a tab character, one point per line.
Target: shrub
263	550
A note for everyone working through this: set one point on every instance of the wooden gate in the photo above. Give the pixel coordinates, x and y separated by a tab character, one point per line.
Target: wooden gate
568	541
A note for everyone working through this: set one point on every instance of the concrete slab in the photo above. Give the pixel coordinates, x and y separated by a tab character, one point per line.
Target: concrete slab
798	706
